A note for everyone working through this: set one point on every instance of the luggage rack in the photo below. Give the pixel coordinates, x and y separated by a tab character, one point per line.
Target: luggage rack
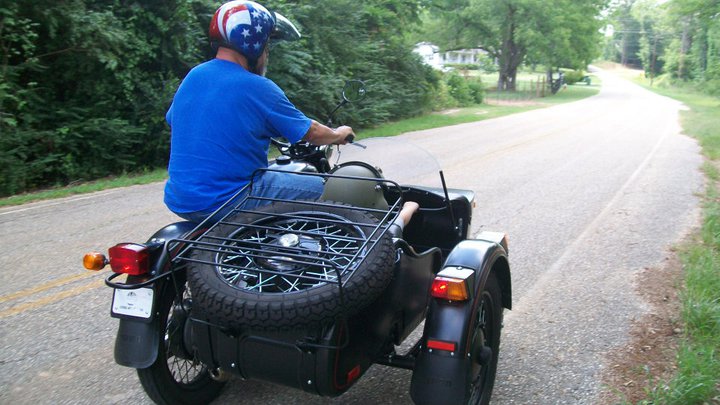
270	249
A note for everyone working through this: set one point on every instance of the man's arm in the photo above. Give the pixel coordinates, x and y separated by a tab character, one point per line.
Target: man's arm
319	134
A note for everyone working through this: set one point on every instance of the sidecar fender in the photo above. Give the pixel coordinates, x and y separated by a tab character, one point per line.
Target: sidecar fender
138	340
441	376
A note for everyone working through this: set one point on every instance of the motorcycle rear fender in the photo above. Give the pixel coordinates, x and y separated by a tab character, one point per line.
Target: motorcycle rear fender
138	340
137	343
441	377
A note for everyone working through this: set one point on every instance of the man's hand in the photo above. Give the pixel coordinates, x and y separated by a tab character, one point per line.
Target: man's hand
344	133
319	134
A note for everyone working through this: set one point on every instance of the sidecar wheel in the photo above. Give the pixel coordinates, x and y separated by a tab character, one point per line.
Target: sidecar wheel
232	288
176	377
485	348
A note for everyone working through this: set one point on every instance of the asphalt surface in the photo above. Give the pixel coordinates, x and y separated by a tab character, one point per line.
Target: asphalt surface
589	193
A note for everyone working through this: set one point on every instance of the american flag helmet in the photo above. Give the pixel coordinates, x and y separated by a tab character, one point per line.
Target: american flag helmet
247	26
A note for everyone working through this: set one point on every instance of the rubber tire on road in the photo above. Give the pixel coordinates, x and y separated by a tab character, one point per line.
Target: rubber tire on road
158	381
232	307
491	298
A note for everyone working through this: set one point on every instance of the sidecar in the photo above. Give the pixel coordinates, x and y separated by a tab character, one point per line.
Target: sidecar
310	294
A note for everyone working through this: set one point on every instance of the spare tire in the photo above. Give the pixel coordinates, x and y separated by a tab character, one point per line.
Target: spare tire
274	269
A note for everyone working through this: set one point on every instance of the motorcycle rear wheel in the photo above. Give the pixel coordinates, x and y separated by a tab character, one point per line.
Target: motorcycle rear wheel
485	348
175	377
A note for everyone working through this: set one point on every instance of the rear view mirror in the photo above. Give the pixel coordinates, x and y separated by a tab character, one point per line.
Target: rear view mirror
353	91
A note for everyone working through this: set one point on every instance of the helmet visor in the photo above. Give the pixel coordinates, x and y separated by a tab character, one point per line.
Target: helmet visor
284	29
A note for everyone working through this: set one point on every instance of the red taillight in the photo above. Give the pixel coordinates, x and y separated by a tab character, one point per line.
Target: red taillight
451	289
441	345
353	374
129	258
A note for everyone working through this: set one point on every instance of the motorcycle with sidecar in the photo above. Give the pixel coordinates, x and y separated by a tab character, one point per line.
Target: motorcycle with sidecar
310	294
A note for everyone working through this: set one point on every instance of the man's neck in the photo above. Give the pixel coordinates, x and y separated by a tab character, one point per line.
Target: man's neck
231	56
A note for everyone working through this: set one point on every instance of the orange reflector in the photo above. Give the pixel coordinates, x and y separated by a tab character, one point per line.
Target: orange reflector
452	289
129	258
94	261
440	345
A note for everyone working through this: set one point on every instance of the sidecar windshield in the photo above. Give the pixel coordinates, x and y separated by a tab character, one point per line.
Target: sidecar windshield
400	159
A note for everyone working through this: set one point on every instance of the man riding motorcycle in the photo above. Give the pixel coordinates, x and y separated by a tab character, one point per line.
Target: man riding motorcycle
225	112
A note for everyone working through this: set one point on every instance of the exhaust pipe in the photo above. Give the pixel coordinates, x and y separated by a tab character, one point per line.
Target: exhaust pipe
219	375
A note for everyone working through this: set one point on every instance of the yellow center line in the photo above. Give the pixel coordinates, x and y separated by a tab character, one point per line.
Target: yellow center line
52	284
51	299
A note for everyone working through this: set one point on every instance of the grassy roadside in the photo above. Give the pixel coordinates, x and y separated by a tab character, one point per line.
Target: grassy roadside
428	121
480	112
697	380
88	187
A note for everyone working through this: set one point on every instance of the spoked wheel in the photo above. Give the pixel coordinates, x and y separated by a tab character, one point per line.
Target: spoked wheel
485	346
177	377
282	267
328	246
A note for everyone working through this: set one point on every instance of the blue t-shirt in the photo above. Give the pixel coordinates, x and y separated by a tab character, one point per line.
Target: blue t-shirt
221	121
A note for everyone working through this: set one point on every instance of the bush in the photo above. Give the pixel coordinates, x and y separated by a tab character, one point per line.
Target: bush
574	76
443	99
487	64
459	89
477	89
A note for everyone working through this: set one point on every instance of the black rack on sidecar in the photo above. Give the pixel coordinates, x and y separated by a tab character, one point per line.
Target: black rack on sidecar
333	267
179	249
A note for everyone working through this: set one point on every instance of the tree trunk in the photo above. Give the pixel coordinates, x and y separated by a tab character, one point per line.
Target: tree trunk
511	56
624	51
684	48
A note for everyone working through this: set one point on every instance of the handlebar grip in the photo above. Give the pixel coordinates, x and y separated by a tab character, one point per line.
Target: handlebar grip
350	138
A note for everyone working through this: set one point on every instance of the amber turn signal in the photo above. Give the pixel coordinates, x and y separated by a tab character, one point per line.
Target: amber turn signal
94	261
451	289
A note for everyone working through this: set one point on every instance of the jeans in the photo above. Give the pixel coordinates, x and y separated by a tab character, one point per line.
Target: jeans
285	186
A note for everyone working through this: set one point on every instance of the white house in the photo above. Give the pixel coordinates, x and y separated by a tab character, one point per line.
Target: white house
432	56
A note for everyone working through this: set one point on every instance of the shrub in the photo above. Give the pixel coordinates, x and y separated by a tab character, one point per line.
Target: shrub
487	64
574	76
477	90
443	99
459	89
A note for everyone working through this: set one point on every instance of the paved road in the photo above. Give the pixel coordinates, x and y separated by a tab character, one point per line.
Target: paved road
590	193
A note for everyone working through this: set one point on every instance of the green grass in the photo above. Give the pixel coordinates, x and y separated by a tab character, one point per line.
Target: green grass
478	112
89	187
434	120
698	360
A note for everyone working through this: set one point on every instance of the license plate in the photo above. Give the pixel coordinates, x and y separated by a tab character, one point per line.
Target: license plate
137	302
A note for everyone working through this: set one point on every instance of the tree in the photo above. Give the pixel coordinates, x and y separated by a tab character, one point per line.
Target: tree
486	24
695	50
626	32
511	30
85	84
652	35
566	35
679	37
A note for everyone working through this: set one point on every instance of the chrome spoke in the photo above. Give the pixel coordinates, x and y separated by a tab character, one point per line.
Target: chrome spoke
331	247
183	371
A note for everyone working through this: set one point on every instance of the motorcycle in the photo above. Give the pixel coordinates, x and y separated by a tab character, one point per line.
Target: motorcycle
310	294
